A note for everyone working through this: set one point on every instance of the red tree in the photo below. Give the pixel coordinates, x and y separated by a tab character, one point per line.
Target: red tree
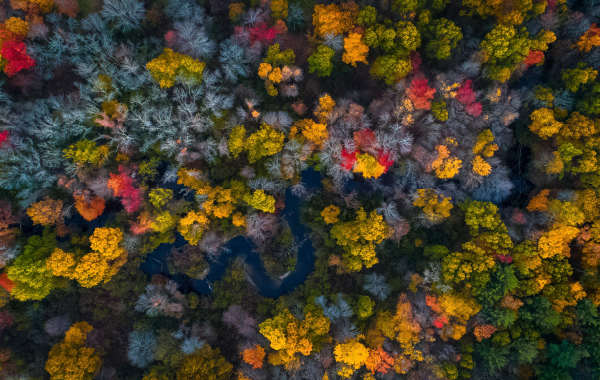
420	93
15	54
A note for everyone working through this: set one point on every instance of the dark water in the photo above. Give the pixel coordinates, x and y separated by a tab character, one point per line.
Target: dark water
156	261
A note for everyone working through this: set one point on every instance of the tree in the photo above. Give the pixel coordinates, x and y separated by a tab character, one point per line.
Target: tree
556	241
445	165
574	78
352	354
264	143
561	359
355	50
289	335
276	57
205	363
279	9
159	197
32	279
358	239
320	61
364	307
481	167
254	356
89	207
436	207
15	57
192	226
61	263
443	35
505	47
87	152
368	166
261	201
46	212
72	359
236	143
514	12
402	327
313	132
420	94
107	242
330	214
379	361
334	19
439	109
95	267
390	68
169	66
122	185
589	39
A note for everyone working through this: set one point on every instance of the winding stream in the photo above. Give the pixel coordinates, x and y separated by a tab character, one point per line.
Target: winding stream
156	261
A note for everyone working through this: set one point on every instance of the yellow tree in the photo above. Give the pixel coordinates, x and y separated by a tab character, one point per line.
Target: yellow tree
436	207
290	336
236	141
334	19
461	308
72	359
313	132
261	201
358	239
556	241
368	166
91	269
445	165
401	327
330	214
205	363
352	355
264	143
170	65
355	50
192	226
46	212
544	124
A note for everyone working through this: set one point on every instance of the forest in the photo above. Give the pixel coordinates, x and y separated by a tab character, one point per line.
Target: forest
299	189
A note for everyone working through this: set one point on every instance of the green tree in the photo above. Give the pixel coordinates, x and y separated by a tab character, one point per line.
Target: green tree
505	47
364	307
442	36
205	363
578	76
320	61
275	57
33	280
390	68
561	358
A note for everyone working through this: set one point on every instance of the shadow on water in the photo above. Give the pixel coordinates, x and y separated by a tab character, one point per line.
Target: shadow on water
156	261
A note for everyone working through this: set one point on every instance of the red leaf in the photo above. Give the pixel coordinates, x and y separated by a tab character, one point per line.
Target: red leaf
504	259
262	33
15	54
440	321
365	139
420	93
348	159
534	57
3	137
6	282
465	94
474	109
122	186
384	159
